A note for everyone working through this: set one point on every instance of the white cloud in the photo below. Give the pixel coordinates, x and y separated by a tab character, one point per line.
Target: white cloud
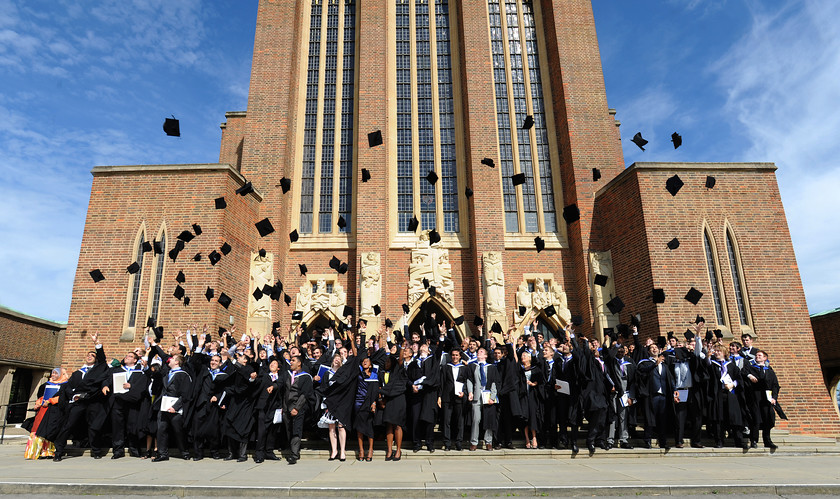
782	82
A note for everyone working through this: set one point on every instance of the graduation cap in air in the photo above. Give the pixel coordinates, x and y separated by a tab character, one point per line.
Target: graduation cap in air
225	249
405	308
96	275
158	333
173	253
693	296
425	283
214	257
265	228
458	320
158	246
287	299
246	188
342	223
285	184
179	292
432	291
478	321
303	269
224	300
636	320
334	263
661	342
267	290
221	204
297	315
549	310
434	237
276	291
539	243
676	139
147	246
468	192
674	184
609	333
348	311
496	327
186	236
293	235
518	179
377	310
615	305
197	257
623	330
179	245
133	268
709	335
658	295
151	322
688	335
670	335
596	174
577	320
262	252
489	162
342	269
432	177
601	280
673	244
528	123
209	293
522	310
699	319
639	141
181	277
222	331
571	213
413	224
375	138
365	175
710	182
257	294
275	326
718	333
196	229
171	127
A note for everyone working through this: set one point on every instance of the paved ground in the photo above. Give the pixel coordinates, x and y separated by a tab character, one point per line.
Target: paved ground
425	475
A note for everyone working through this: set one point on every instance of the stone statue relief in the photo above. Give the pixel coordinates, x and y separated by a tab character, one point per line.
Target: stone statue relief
601	263
494	287
371	288
261	274
546	292
316	298
430	262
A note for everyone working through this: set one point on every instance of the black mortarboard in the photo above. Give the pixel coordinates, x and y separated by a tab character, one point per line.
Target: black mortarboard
596	174
214	257
262	252
601	280
425	283
718	333
688	335
458	320
171	127
173	253
275	325
661	342
342	223
377	310
133	268
693	296
285	185
577	320
276	291
670	334
710	182
186	236
267	290
334	263
709	335
539	243
375	138
468	192
293	235
434	237
478	321
388	323
528	123
209	293
222	331
147	246
347	311
571	213
196	229
673	244
287	299
674	184
636	320
496	327
246	188
225	248
96	275
342	269
676	139
522	310
615	305
609	332
699	319
432	291
158	333
221	204
158	245
197	257
549	310
257	294
265	228
639	141
413	224
297	315
179	245
489	162
179	292
658	295
224	300
180	277
302	267
365	175
432	177
151	322
518	179
623	330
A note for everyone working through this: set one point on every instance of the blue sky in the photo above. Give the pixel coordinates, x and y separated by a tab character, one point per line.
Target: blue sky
88	83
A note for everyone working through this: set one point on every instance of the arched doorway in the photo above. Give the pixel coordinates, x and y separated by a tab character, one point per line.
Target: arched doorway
443	311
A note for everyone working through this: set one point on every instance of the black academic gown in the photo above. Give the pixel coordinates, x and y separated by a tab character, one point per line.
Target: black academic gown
725	405
240	399
531	397
764	416
392	402
206	415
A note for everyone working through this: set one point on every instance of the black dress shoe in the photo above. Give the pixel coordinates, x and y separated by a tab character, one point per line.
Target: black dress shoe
117	455
197	458
258	460
575	449
625	445
242	459
229	457
58	457
430	448
160	458
292	460
215	455
96	456
416	449
458	447
591	448
333	458
185	456
447	448
271	457
753	445
389	458
647	444
698	446
770	445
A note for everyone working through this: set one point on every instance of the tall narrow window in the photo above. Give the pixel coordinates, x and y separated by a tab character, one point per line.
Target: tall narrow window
713	277
159	260
517	80
135	285
327	162
736	279
425	117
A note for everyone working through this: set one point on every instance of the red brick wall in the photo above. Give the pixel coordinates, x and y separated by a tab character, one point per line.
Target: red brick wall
233	139
29	340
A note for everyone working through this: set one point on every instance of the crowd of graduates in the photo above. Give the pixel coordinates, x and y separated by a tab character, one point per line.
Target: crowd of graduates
220	397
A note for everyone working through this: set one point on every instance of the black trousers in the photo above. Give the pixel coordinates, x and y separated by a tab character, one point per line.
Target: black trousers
294	432
548	432
119	431
266	433
687	413
80	413
506	423
597	420
453	413
170	422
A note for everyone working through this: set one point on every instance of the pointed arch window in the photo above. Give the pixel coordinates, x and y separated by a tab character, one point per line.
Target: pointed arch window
158	276
737	278
714	276
136	279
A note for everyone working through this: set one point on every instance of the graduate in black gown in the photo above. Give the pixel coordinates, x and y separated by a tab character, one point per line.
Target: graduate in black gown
725	396
177	388
762	390
452	400
392	400
364	406
270	386
208	392
531	379
299	398
239	418
125	407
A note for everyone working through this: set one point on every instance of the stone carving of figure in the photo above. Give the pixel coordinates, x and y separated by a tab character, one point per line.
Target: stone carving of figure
371	289
338	299
494	283
304	297
561	304
261	274
540	298
320	298
600	262
432	263
523	298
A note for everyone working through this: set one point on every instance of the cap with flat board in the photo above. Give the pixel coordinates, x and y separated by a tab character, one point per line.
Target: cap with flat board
673	244
528	123
276	291
171	127
522	311
342	269
425	283
293	235
221	204
432	177
377	310
468	192
365	175
214	257
676	139
342	223
96	275
496	327
596	174
405	308
434	237
224	300
209	293
413	224
246	188
225	249
133	268
458	320
489	162
693	296
432	291
297	315
302	268
264	227
539	243
257	294
639	141
375	138
674	184
348	311
158	245
196	229
179	292
518	179
334	263
615	305
181	277
147	246
710	182
197	257
389	324
186	236
658	295
577	320
285	184
478	321
549	310
571	213
262	253
601	280
287	299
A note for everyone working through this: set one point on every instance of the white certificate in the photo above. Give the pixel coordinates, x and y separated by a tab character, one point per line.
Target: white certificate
485	397
562	386
459	387
167	402
769	394
626	401
278	416
119	380
683	394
